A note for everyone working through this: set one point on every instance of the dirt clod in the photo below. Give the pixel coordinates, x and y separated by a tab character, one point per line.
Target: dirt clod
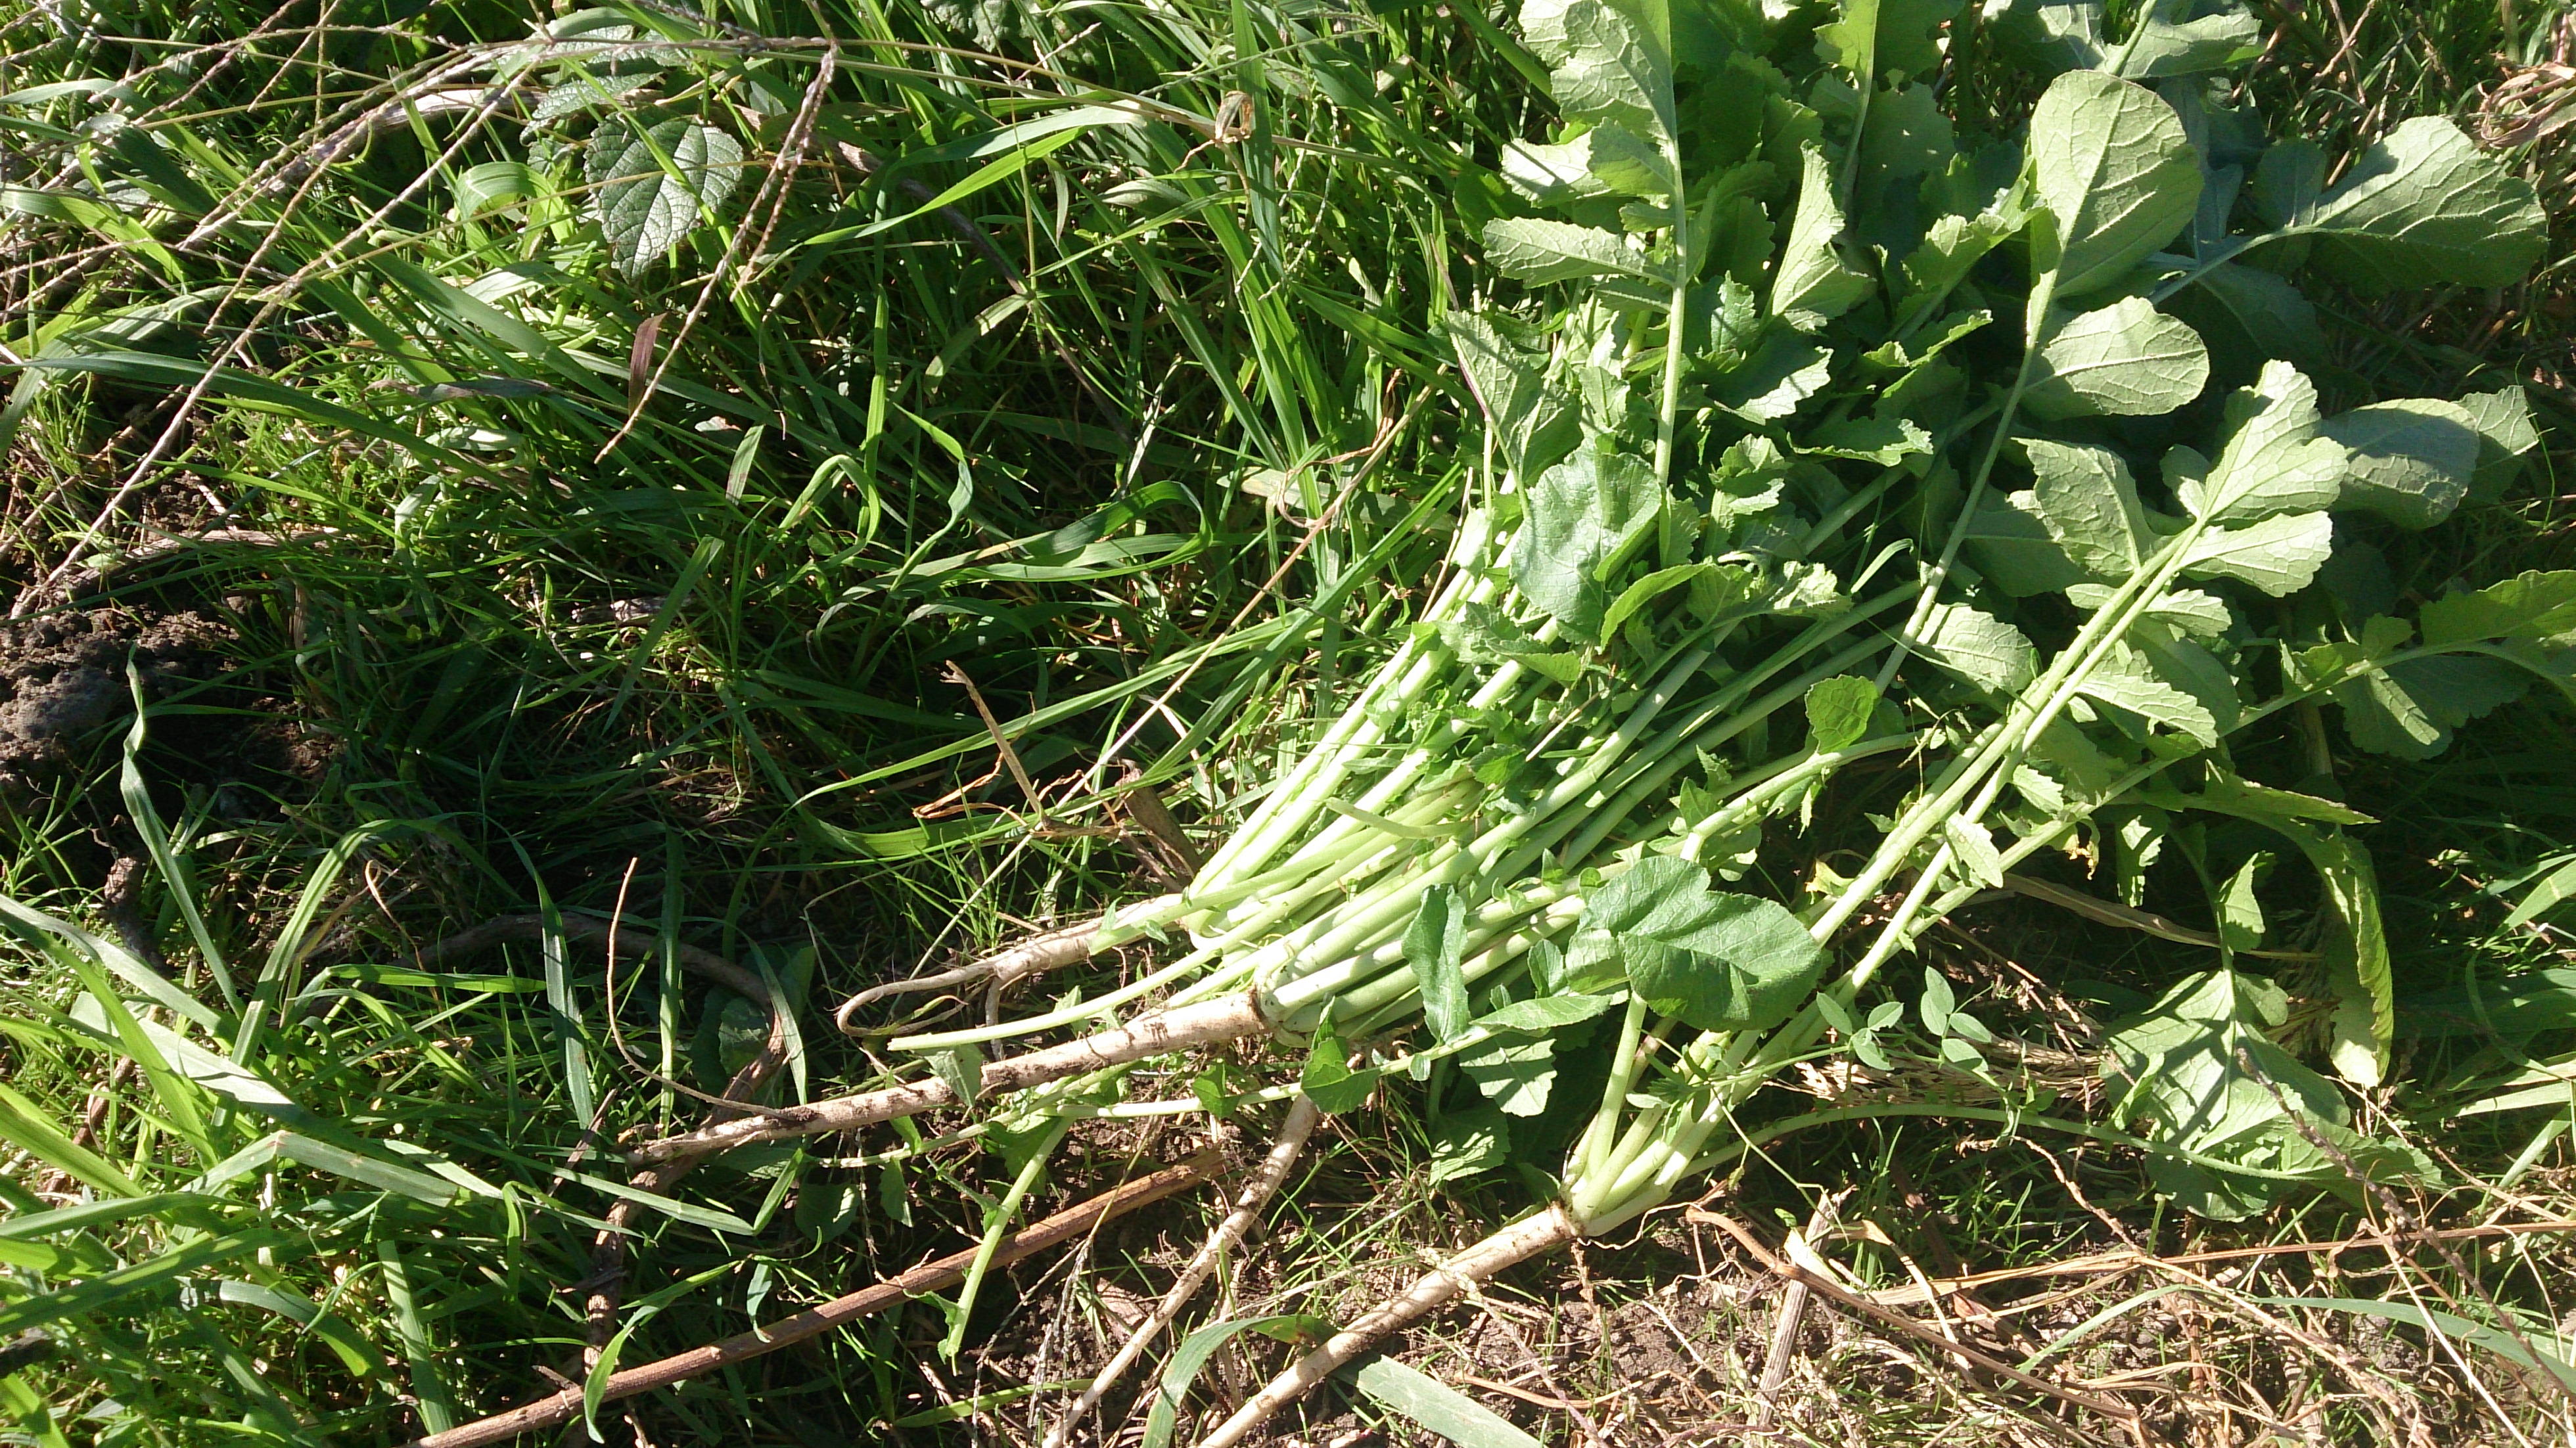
64	676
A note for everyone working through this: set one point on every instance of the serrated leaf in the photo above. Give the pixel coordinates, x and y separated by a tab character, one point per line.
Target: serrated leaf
1784	373
2088	502
1938	1001
1583	512
2123	360
654	179
2278	555
1538	251
2274	460
2249	315
1885	441
2411	460
1649	588
1974	848
2423	205
2182	1065
1980	648
2407	710
2113	164
1328	1078
1812	286
1839	711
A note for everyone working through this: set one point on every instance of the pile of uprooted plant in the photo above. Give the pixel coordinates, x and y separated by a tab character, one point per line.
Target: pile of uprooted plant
1811	433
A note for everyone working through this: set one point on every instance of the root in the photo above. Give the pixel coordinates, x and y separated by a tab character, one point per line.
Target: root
930	1276
1284	1151
1052	950
1160	1034
1516	1243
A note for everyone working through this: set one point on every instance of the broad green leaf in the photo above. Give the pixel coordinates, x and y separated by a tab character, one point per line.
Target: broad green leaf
1646	590
1481	634
2531	605
2278	555
2424	205
1627	165
1973	846
2190	37
2010	544
1812	286
2240	906
2128	679
2248	316
1951	248
1433	947
1513	1074
2408	710
2274	460
1769	387
2357	962
1546	1013
1614	70
1437	1407
1328	1079
1885	441
1980	648
2088	502
2505	438
1938	1001
2114	166
1532	424
2182	1065
2123	360
1584	512
655	178
1720	962
1470	1141
1871	37
1537	251
2411	461
1838	712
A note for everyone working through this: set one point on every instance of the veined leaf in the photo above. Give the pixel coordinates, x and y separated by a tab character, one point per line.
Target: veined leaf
2274	460
2128	679
2538	606
654	179
1874	36
2278	555
1812	286
2411	460
2124	360
1980	648
1583	512
2423	204
1613	70
1433	948
2010	544
2088	502
1531	250
1717	961
1838	712
1514	1074
2115	167
1531	423
2173	40
2505	438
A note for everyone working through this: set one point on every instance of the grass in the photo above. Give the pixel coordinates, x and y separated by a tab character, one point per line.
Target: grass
536	582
